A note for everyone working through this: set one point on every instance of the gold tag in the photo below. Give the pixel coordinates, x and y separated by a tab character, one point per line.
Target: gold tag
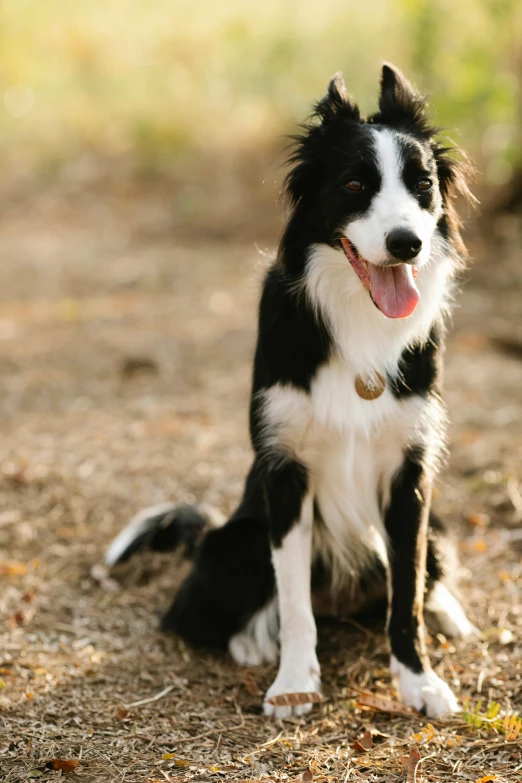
372	388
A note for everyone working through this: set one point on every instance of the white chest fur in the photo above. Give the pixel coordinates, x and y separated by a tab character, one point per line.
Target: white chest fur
353	447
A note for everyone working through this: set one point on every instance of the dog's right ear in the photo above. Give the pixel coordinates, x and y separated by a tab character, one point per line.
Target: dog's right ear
337	102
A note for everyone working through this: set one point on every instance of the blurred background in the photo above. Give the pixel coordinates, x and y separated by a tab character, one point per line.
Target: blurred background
141	155
197	95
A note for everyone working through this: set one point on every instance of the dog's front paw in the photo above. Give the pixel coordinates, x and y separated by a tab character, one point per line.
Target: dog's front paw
290	683
425	692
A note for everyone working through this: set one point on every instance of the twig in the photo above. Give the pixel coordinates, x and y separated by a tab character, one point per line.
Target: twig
210	733
157	697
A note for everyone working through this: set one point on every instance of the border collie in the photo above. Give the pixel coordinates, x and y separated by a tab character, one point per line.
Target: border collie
346	417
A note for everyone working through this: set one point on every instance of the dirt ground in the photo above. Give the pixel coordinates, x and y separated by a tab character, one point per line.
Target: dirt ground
124	379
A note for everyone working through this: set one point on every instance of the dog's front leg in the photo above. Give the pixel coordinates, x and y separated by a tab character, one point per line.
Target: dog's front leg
406	526
290	509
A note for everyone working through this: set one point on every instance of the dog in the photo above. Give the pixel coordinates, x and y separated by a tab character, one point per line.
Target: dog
347	420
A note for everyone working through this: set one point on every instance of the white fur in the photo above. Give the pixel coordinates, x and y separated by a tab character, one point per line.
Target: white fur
425	691
447	613
366	340
393	207
299	670
353	447
257	643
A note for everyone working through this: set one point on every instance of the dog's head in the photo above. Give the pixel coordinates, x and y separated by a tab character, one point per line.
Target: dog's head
379	188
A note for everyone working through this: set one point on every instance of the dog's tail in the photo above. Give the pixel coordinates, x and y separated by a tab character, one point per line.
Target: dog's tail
163	528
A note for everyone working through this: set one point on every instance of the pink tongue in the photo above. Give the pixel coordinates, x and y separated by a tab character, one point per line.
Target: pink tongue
393	290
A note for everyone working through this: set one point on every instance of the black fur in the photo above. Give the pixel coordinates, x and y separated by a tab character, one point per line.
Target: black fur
406	523
292	340
421	367
233	577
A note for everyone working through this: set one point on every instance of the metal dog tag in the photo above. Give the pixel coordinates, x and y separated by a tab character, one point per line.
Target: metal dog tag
371	388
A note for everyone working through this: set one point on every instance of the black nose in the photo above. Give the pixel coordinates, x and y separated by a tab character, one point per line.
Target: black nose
403	244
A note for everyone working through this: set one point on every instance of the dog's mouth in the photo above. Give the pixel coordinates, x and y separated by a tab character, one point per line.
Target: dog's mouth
392	288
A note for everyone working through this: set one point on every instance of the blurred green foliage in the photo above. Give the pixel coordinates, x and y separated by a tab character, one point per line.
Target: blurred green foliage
160	79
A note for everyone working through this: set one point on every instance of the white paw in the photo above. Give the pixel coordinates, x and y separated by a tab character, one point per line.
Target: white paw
246	652
425	692
257	643
306	680
447	615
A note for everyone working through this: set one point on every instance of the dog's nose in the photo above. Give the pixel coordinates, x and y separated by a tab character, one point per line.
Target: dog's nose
403	244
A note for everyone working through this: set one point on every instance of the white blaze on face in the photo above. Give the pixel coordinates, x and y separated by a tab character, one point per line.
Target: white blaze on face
393	207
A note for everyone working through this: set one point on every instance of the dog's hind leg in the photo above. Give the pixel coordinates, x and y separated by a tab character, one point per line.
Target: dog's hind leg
445	614
228	595
232	580
442	610
258	641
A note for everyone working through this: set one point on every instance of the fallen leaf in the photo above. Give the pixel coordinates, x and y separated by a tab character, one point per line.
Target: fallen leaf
35	773
454	741
365	743
11	568
177	762
16	619
62	765
307	776
477	519
122	713
383	704
294	699
250	684
487	779
411	764
426	734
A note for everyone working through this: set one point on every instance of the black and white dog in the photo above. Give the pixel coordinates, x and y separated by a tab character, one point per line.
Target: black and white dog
346	416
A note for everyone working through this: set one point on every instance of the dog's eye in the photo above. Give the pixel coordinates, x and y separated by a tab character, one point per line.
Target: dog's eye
424	184
354	185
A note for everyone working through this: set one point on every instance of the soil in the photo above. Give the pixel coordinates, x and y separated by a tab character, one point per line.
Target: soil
125	352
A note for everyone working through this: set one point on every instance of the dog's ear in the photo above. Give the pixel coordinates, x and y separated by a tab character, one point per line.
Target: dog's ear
308	147
400	103
337	102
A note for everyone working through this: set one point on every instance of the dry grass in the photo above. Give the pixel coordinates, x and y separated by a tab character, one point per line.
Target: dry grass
125	375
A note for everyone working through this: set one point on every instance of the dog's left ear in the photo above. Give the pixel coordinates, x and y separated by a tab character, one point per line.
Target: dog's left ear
337	101
399	101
